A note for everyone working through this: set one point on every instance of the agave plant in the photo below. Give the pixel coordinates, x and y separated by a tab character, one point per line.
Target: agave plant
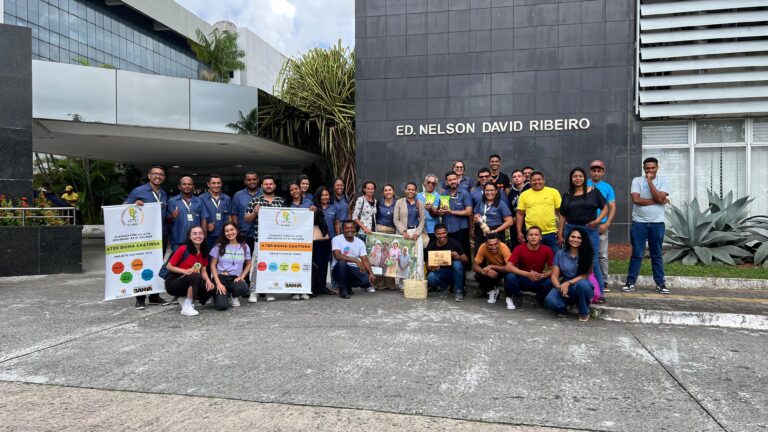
757	227
707	236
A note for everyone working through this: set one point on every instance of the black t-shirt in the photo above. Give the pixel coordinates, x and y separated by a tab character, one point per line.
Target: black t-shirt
514	196
581	209
452	246
502	181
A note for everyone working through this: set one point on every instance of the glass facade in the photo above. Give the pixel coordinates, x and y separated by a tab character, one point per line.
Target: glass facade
712	154
71	31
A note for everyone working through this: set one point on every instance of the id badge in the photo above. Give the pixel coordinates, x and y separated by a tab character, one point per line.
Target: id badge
218	216
189	217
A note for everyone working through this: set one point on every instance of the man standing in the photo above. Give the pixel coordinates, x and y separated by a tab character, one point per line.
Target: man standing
539	206
597	172
527	171
490	265
239	206
442	276
216	207
350	266
456	214
498	177
152	192
70	196
649	196
529	269
431	201
184	212
519	185
266	199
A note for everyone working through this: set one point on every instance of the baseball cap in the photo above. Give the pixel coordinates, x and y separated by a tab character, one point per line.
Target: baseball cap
597	163
68	188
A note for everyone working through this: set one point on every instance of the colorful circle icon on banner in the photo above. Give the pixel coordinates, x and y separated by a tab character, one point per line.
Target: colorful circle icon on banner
295	267
126	277
262	266
283	267
118	268
137	264
147	274
273	267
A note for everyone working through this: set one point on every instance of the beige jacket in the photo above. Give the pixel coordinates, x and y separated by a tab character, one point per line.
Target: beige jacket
401	218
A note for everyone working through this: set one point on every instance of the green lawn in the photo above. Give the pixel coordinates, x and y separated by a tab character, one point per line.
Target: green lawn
677	269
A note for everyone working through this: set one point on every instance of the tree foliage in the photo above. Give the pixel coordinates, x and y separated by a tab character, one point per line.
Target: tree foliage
219	52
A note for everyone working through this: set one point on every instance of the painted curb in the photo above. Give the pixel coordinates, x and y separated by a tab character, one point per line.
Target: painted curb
683	318
673	282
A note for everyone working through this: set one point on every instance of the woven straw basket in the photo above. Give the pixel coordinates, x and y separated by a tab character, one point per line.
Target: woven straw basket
415	289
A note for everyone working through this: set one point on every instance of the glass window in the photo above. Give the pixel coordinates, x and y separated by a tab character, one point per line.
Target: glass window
674	164
90	15
44	20
759	180
719	131
99	18
760	131
720	170
63	23
21	9
91	29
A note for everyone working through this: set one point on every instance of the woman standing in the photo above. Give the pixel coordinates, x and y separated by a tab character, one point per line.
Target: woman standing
492	215
579	209
465	183
188	278
410	215
297	200
303	182
570	273
339	199
364	213
230	264
321	248
330	212
385	223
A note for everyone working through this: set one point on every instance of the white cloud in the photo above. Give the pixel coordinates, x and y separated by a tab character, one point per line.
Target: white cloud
292	26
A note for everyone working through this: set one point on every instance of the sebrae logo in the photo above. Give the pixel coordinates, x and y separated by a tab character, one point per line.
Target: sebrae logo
132	216
285	218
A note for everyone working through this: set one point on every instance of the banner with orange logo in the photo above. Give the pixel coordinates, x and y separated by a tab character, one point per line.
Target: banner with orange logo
133	246
283	264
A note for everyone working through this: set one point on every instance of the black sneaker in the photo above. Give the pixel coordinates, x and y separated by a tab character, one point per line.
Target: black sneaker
140	304
662	289
628	287
156	300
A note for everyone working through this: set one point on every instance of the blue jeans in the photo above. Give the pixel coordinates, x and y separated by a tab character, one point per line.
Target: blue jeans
594	239
443	277
550	240
514	285
653	234
349	276
579	293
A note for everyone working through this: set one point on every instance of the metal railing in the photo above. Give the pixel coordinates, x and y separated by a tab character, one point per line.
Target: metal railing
28	215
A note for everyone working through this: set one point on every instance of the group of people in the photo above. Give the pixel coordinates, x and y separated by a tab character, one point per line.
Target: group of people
526	236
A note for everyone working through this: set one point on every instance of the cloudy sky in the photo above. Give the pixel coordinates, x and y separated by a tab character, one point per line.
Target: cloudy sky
289	25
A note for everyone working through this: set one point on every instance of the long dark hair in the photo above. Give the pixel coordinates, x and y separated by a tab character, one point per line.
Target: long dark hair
333	191
223	241
204	249
290	197
316	197
586	254
320	219
497	199
572	187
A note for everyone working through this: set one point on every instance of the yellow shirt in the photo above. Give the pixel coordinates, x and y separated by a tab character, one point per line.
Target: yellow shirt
70	198
539	207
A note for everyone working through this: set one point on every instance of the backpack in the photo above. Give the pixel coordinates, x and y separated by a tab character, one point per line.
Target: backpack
164	272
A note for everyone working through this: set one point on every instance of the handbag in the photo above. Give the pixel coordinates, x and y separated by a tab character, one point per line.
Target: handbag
164	272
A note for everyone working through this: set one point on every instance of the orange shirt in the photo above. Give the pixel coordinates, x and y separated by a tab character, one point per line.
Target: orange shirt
498	259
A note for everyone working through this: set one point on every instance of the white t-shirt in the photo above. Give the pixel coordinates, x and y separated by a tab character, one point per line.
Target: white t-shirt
354	249
651	213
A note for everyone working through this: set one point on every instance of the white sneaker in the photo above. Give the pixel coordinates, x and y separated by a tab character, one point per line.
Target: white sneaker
189	311
253	298
510	304
371	289
235	302
181	301
492	295
270	297
295	297
305	297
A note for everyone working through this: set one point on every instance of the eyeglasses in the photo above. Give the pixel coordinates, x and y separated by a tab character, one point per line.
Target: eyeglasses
458	167
483	176
157	174
432	182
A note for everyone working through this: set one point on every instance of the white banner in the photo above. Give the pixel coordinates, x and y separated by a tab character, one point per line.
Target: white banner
133	245
284	260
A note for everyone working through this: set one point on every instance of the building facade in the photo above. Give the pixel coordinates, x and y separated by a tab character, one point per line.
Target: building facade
555	84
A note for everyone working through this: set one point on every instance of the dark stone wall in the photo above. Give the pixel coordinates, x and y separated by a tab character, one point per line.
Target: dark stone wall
450	61
33	250
15	111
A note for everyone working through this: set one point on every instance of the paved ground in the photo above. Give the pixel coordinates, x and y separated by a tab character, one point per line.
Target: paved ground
698	300
374	354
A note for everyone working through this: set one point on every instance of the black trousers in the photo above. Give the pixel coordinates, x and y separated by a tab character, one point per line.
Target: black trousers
462	236
234	289
251	242
488	283
177	286
480	236
321	255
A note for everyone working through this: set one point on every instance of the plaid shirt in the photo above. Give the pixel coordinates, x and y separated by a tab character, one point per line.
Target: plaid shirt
260	200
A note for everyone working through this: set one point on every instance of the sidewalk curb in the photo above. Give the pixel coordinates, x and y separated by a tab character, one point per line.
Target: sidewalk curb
684	318
673	282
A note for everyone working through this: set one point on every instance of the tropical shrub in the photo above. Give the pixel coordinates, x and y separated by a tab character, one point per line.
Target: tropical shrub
219	52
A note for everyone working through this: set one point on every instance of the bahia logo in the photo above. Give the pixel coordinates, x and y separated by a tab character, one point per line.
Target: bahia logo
285	218
294	285
132	216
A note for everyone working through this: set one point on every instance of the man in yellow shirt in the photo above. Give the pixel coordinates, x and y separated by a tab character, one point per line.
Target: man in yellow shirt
70	196
539	206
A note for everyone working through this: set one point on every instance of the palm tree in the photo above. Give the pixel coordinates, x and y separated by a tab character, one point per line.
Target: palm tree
246	124
219	52
321	83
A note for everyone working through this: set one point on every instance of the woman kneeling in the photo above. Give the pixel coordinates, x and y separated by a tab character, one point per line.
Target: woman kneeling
188	278
570	276
230	264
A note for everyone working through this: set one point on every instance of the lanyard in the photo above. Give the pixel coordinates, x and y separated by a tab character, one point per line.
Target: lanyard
187	205
156	195
486	208
216	202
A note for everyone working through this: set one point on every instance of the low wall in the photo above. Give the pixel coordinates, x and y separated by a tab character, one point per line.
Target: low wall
32	250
